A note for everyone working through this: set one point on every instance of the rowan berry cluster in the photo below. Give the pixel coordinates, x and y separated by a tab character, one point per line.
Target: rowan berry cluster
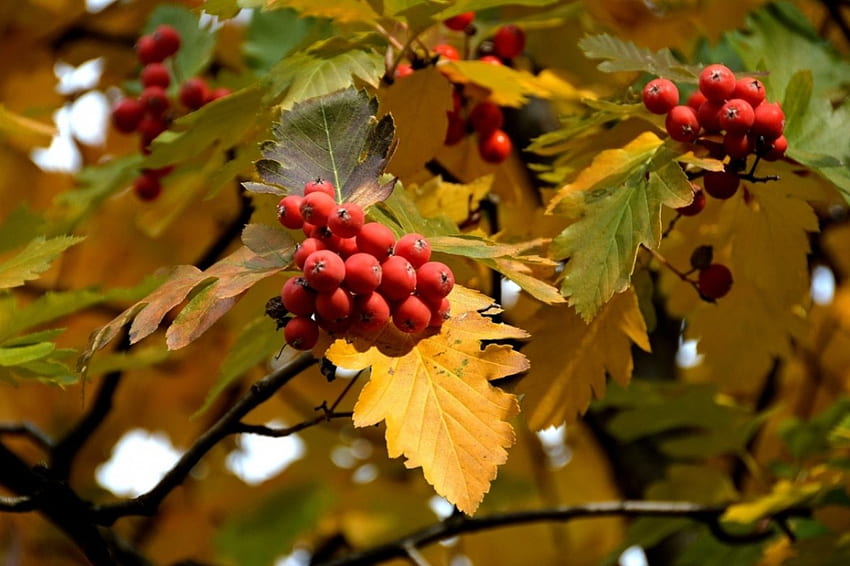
355	275
152	111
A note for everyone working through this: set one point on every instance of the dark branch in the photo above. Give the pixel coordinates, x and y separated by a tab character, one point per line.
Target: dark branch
148	503
28	430
262	430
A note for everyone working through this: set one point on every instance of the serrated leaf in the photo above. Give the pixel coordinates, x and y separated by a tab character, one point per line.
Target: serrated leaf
507	86
19	355
571	358
433	391
335	137
34	259
271	35
626	56
619	209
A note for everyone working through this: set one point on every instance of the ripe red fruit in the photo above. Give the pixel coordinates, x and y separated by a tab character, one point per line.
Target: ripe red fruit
411	315
324	235
736	116
305	248
434	280
440	314
155	100
324	270
459	22
486	117
714	281
696	205
127	114
717	82
147	187
403	70
346	247
346	220
682	124
371	312
320	185
660	96
749	89
447	51
398	278
376	239
297	297
150	127
289	212
363	273
167	40
146	50
708	115
301	333
155	74
695	100
335	306
414	248
317	207
720	184
456	129
491	59
776	149
194	93
495	148
769	121
509	41
736	145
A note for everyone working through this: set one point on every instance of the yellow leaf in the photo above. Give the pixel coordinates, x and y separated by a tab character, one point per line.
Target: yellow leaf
571	358
342	11
457	201
24	133
785	494
508	87
433	391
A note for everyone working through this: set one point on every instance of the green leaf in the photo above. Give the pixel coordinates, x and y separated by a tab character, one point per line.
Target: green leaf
626	56
507	86
35	258
18	355
335	137
271	35
807	439
19	227
618	209
196	43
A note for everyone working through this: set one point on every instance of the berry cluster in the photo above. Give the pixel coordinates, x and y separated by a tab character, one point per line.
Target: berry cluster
356	275
150	114
714	280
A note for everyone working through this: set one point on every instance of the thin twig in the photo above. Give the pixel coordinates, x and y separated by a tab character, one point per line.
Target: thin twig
278	432
28	430
663	261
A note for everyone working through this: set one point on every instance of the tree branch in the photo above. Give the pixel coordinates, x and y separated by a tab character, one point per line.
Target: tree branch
262	430
28	430
459	524
229	423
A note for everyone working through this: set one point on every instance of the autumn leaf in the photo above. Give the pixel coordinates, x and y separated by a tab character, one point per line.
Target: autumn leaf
624	55
572	358
35	258
433	391
506	86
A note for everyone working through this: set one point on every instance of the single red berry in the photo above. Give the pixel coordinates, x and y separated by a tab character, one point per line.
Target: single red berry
456	129
297	297
696	205
448	51
720	184
411	315
324	235
660	96
334	306
495	148
491	59
714	281
737	145
459	22
324	270
217	93
717	82
376	239
434	280
440	314
301	333
403	70
346	220
146	50
150	127
696	99
775	149
305	248
289	212
749	89
338	326
708	115
371	312
155	100
317	207
194	93
769	121
363	273
167	40
319	185
682	124
414	248
486	117
147	187
347	247
127	115
398	278
736	116
155	74
509	41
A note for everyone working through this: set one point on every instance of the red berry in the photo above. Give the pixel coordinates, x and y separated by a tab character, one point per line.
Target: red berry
127	114
347	247
696	205
447	51
717	82
414	248
411	315
696	99
146	50
346	220
301	333
456	129
167	40
714	281
682	124
708	115
440	314
324	270
403	70
486	117
495	148
155	100
749	89
155	74
297	296
150	127
737	145
509	41
324	235
434	280
376	239
317	207
320	185
398	278
491	59
459	22
305	248
769	121
371	312
660	96
776	149
289	212
147	187
720	184
362	273
334	306
194	93
736	116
